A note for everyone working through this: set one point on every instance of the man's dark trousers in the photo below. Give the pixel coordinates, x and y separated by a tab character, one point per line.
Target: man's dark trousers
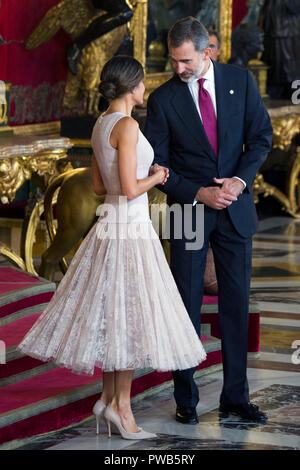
232	255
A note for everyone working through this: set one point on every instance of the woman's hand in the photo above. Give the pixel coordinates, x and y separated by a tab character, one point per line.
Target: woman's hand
158	169
160	176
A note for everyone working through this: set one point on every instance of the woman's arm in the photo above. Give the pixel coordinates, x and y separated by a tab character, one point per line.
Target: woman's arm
124	137
98	185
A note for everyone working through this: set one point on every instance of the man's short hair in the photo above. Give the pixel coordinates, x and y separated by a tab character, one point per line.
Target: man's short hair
189	29
214	32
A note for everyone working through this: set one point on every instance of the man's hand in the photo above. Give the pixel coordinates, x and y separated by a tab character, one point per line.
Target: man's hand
230	185
215	197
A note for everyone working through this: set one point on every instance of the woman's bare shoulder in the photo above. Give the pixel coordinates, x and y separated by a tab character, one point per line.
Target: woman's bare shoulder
127	124
125	131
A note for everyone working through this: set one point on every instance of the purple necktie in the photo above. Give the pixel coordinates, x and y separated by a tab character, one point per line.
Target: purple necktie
208	116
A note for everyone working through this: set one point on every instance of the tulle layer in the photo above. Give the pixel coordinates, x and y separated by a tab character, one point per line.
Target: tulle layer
117	307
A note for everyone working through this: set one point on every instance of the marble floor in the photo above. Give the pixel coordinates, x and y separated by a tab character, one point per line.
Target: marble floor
274	378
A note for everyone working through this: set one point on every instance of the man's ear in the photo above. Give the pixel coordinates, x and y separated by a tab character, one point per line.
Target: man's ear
206	53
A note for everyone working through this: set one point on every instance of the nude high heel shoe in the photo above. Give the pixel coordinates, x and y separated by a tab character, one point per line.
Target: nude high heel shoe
98	411
112	418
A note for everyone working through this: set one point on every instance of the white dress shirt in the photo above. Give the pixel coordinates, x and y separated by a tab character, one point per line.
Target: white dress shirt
209	85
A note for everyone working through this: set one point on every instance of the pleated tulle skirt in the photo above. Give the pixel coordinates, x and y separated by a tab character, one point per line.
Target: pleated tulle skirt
117	307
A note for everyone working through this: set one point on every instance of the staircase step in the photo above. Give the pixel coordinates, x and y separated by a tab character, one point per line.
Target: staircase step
18	366
56	398
210	315
39	397
22	294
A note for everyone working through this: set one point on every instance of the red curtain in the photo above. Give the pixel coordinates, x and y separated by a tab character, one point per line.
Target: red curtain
239	10
37	76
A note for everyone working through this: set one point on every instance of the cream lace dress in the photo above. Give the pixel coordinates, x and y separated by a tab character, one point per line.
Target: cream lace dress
118	306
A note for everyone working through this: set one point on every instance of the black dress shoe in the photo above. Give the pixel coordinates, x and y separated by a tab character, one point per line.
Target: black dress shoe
186	415
247	411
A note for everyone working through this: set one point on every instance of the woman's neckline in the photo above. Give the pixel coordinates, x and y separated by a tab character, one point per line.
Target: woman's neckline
114	112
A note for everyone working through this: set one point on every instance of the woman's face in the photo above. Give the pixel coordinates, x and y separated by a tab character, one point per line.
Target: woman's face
138	93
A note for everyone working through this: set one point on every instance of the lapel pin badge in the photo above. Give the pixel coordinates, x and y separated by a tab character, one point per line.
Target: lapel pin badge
231	92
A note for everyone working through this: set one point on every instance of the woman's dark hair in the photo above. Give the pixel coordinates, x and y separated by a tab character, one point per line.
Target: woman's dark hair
120	75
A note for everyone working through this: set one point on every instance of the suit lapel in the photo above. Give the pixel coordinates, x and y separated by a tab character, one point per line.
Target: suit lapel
221	105
184	106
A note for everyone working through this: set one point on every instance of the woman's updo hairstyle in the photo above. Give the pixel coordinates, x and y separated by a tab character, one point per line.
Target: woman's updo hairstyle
120	75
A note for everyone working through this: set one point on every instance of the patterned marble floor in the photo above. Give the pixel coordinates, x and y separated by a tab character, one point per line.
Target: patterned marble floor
274	379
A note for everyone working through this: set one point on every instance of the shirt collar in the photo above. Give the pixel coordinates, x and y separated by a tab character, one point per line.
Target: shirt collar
210	73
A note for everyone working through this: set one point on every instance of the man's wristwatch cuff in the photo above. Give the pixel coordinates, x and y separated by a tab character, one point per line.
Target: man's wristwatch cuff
242	181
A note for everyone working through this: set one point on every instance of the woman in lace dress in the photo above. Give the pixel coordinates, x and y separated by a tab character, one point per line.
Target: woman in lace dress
118	306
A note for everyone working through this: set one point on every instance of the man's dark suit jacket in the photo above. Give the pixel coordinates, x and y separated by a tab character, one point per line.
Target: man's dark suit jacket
176	133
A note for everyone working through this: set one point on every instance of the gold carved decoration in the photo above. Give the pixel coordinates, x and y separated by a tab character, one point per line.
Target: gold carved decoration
32	226
23	158
71	15
138	29
225	28
260	72
13	173
11	255
153	81
81	93
285	128
44	128
87	80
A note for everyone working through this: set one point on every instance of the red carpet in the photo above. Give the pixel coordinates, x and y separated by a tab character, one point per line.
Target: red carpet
39	397
209	315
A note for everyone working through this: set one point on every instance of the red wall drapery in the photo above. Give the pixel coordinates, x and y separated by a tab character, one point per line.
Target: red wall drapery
37	76
239	11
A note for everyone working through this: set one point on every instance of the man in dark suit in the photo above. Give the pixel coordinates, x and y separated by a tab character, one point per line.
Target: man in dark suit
209	126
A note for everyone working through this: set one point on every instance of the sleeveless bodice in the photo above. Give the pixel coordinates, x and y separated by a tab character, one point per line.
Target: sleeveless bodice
107	159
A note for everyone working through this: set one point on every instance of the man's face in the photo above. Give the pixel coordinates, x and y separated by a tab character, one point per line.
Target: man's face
188	63
214	48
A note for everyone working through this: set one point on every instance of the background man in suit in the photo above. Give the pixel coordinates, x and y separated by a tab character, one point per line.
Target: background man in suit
214	44
209	126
